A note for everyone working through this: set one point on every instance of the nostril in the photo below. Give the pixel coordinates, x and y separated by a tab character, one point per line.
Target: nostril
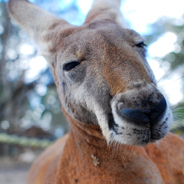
138	116
144	117
157	111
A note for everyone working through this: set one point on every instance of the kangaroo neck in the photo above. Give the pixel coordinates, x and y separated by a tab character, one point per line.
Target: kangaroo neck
91	159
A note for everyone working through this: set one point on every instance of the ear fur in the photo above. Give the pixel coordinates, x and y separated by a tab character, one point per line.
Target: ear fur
39	23
43	26
106	10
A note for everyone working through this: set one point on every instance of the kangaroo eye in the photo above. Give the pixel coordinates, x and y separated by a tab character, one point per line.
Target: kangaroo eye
70	65
141	44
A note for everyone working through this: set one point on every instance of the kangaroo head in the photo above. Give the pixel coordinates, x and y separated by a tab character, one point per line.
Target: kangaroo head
101	73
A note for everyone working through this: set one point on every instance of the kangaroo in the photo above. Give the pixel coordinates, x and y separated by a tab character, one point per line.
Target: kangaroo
119	120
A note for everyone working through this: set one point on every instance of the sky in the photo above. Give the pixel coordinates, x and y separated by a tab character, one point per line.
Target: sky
140	15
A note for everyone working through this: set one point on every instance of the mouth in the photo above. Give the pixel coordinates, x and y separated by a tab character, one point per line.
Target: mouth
126	132
132	125
137	123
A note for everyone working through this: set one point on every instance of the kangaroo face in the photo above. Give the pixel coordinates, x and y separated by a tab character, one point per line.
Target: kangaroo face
101	74
103	78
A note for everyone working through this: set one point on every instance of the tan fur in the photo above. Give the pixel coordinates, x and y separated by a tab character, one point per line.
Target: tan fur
102	146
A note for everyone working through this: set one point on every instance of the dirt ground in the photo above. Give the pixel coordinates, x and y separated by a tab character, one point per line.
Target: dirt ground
12	171
13	176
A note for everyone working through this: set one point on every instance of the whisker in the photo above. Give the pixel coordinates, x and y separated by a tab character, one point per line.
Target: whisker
177	108
168	71
162	87
157	144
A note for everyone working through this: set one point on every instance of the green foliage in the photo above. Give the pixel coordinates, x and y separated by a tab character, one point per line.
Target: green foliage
24	141
26	98
174	58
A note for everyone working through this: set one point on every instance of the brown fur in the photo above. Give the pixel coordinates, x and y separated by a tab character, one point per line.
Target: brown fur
153	164
112	71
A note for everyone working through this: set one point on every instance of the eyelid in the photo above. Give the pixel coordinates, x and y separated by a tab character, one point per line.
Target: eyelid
70	65
141	44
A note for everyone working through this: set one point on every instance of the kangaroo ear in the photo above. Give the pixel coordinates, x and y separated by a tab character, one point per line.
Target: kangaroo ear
106	10
39	23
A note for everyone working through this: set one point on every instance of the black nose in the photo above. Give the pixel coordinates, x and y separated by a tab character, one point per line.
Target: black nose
144	117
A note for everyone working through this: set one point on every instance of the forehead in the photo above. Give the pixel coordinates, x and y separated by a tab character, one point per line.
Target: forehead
98	36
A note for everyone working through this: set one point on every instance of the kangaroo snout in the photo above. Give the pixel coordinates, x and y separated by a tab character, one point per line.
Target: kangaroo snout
141	115
141	104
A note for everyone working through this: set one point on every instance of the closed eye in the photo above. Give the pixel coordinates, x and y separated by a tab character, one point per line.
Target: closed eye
70	65
141	44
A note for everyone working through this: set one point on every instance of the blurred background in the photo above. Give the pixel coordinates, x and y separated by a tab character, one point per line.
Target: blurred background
30	112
